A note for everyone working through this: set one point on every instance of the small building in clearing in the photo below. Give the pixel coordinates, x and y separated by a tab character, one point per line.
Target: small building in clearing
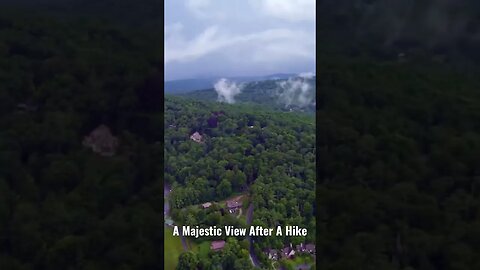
272	254
217	245
300	248
233	206
310	248
196	137
206	205
288	252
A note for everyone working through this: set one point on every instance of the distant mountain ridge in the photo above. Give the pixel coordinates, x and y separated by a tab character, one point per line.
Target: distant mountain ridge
292	94
188	85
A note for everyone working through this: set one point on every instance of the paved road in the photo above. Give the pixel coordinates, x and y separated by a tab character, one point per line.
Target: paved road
184	241
166	206
253	257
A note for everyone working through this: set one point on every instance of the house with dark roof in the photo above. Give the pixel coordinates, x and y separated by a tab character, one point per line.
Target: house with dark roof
287	252
310	248
233	206
217	245
300	248
272	254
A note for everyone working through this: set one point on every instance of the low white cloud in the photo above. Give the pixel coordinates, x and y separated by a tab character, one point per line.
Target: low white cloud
290	10
296	92
227	90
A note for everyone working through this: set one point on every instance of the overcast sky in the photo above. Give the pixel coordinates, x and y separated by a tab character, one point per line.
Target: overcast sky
205	38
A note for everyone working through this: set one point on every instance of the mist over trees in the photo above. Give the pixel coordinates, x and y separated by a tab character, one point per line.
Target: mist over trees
294	93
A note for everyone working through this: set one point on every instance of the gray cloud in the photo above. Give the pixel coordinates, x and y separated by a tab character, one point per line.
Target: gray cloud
269	45
238	38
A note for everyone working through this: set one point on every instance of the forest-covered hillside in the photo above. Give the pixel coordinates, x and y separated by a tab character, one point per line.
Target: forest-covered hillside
189	85
266	157
292	94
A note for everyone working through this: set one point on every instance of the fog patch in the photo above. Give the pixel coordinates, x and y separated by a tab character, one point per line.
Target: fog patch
296	92
227	90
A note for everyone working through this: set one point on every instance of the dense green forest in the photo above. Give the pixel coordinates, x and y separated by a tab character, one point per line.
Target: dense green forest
398	183
233	256
62	205
268	156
